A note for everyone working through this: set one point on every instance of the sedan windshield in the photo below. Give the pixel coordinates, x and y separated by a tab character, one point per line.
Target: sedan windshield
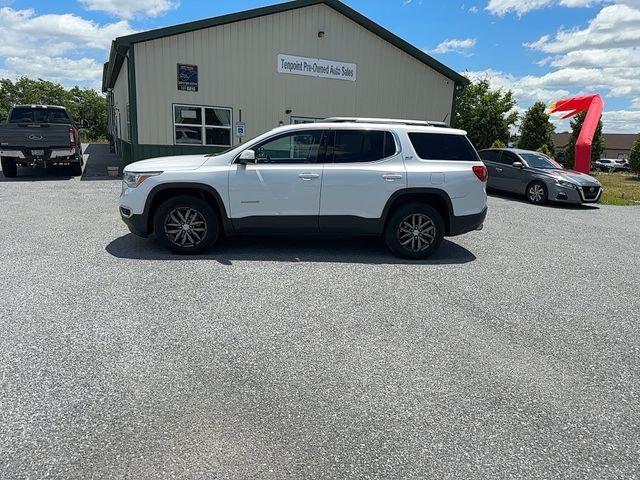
537	160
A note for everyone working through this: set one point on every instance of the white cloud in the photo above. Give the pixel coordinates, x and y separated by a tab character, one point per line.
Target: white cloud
473	9
131	8
57	69
455	45
520	7
47	46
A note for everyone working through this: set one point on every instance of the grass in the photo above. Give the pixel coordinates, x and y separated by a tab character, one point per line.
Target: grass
619	188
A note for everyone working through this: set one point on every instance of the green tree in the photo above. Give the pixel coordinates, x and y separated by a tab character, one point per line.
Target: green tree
545	151
634	156
485	114
497	144
597	145
87	107
536	129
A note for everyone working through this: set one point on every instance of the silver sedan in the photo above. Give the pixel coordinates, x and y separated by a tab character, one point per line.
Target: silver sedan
537	177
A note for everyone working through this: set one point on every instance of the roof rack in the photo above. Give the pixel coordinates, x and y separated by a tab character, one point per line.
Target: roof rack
397	121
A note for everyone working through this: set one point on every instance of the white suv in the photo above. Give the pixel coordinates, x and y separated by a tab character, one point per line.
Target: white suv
410	182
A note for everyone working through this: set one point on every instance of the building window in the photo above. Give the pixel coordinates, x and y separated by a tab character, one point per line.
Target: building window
199	125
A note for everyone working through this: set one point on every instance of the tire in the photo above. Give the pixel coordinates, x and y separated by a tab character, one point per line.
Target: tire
9	167
429	228
172	216
76	169
537	193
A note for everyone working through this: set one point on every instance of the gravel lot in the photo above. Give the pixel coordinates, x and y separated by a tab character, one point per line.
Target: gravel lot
514	353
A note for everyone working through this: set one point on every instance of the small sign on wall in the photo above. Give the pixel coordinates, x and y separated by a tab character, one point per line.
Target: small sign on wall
241	129
187	77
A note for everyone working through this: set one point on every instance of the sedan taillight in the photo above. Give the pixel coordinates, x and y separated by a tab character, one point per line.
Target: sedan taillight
481	172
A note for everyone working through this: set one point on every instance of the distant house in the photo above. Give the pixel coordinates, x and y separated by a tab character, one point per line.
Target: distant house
617	145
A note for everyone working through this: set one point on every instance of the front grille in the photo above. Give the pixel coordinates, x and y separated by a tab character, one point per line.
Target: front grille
590	193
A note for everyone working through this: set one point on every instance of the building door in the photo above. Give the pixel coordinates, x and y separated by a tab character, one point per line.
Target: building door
282	189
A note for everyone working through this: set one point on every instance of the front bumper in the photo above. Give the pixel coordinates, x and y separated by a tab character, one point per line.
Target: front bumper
581	194
137	224
467	223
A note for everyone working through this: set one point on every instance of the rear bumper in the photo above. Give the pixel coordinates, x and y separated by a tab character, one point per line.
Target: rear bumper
467	223
49	155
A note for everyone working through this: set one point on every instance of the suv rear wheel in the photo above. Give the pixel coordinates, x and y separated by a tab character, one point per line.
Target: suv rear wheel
186	225
414	231
9	167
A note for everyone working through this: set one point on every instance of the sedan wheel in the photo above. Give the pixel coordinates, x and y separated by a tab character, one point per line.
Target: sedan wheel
537	193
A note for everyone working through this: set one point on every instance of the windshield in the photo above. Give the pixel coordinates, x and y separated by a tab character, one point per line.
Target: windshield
537	160
39	115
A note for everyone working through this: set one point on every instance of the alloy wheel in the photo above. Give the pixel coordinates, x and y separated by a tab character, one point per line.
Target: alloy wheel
185	227
536	193
416	232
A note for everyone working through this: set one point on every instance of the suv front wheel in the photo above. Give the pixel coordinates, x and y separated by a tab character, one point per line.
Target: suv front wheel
414	231
186	225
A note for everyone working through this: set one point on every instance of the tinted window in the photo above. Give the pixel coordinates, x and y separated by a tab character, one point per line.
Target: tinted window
39	115
508	158
295	147
489	155
442	146
351	146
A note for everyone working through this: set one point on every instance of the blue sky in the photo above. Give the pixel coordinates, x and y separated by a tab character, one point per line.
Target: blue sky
541	49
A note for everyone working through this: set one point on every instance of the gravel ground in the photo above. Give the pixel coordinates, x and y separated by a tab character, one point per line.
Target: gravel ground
514	353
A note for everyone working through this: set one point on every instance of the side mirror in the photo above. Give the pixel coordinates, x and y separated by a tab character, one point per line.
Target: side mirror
517	165
248	156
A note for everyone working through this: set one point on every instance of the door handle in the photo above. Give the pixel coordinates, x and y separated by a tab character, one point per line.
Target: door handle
308	176
391	176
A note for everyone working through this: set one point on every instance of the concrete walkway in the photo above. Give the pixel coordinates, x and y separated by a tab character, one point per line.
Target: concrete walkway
99	162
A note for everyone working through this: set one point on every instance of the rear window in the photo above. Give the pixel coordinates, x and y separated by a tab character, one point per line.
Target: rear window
442	146
39	115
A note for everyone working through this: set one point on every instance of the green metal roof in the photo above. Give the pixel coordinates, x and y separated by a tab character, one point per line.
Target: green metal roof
120	45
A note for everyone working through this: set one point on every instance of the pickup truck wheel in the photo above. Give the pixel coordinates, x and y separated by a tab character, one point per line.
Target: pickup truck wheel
414	231
9	167
76	169
186	225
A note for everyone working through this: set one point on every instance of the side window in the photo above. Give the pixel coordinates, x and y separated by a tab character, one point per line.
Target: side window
295	147
358	146
489	155
443	146
508	158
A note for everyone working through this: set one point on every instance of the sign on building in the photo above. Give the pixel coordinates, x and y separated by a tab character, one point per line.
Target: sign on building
188	77
241	129
317	67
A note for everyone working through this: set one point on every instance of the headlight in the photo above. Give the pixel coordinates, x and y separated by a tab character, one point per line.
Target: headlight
133	179
564	183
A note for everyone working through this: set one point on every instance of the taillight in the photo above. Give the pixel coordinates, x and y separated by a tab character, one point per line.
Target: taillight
72	137
481	172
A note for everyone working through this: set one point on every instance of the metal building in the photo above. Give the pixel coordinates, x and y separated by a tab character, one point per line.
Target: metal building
206	85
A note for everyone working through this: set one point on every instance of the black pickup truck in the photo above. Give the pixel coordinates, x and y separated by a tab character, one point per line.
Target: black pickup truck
39	136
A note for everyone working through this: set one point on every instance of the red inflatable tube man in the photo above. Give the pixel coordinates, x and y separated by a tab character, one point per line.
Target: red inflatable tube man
575	105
